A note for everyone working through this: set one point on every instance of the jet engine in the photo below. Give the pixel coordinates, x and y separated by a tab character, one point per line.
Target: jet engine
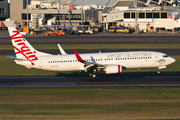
113	69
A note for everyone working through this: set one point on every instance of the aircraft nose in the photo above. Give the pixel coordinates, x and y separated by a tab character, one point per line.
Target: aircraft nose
172	60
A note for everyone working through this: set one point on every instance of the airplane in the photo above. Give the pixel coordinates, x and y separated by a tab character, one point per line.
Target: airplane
109	63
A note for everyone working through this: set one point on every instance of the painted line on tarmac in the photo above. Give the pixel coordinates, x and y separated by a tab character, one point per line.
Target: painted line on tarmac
37	84
32	78
69	84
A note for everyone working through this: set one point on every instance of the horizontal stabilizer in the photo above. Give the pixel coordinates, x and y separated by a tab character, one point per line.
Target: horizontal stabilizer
15	58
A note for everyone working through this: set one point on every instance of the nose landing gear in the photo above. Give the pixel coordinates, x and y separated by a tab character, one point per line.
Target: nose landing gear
162	67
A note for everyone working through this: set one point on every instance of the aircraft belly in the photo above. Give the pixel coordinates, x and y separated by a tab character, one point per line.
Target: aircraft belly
71	67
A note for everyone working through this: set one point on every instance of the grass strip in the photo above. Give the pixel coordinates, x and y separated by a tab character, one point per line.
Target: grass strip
100	46
78	104
9	68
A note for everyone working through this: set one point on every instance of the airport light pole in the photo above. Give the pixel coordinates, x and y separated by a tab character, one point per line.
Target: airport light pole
69	11
27	19
136	29
81	12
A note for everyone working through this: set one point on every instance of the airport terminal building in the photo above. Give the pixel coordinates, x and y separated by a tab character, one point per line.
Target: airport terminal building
107	13
4	10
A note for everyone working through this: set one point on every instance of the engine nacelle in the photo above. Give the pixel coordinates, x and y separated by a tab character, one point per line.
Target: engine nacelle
113	69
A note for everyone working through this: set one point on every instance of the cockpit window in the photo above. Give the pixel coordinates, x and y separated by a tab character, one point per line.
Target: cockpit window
165	56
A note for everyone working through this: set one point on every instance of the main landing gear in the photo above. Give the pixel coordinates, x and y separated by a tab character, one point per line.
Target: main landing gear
158	71
92	73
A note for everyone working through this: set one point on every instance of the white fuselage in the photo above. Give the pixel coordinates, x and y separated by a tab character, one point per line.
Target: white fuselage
135	59
110	63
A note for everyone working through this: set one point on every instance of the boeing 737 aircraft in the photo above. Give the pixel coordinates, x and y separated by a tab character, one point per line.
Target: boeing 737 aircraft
110	63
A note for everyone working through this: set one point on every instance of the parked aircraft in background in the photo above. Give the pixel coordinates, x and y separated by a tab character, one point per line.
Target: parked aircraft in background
110	63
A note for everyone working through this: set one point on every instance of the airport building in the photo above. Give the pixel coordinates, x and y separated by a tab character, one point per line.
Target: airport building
16	6
38	10
153	19
106	12
71	17
145	17
4	10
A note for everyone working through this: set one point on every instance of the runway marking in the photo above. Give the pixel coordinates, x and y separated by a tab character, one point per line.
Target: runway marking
39	84
76	84
32	77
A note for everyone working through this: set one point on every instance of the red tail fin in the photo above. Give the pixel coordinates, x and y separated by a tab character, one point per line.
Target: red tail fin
71	8
169	16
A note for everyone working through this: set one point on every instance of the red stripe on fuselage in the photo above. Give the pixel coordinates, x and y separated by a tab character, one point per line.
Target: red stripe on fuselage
119	69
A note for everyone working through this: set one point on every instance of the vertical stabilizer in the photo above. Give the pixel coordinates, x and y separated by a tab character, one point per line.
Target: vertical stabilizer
22	48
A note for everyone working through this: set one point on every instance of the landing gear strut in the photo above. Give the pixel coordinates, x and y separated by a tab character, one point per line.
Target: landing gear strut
92	73
158	71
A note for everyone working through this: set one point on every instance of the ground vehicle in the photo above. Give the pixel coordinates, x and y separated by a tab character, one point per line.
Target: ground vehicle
112	29
125	30
81	31
177	30
89	31
96	29
53	33
119	30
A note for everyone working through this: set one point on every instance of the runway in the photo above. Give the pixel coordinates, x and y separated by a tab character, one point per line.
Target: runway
99	38
85	82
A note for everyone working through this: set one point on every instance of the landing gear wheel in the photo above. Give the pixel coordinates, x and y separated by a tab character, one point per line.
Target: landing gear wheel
93	75
90	74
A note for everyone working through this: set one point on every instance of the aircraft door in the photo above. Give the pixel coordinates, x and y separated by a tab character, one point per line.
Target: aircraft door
156	58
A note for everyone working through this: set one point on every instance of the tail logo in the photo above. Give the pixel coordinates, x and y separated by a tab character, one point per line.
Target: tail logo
22	48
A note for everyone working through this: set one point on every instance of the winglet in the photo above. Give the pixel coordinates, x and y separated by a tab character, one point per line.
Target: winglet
61	50
78	57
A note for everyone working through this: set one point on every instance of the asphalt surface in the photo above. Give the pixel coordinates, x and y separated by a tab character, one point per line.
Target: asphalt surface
84	82
98	38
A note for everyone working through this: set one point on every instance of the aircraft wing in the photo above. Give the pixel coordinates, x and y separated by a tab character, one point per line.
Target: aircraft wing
88	65
61	50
